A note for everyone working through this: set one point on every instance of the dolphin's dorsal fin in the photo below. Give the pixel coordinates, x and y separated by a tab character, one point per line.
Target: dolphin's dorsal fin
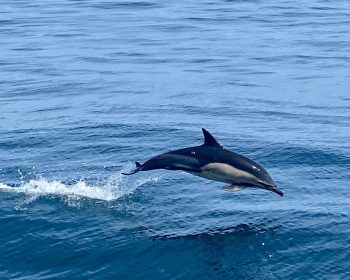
209	139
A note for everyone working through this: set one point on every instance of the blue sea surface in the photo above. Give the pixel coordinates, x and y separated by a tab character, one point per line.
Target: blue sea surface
89	87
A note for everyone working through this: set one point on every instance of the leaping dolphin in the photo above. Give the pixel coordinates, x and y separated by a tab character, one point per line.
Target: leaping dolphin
213	162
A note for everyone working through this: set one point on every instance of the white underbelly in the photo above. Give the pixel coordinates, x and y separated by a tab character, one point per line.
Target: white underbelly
225	173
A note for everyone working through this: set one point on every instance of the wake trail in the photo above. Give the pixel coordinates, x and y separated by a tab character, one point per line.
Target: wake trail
115	187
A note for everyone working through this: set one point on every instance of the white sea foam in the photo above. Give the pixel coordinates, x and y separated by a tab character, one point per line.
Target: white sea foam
115	187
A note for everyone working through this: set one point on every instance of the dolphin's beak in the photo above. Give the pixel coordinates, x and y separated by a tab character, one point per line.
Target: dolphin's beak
276	190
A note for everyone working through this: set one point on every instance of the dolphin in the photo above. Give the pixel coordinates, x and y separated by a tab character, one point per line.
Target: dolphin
211	161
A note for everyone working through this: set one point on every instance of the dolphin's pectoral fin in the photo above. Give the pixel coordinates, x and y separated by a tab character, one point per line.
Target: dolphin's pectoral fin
233	188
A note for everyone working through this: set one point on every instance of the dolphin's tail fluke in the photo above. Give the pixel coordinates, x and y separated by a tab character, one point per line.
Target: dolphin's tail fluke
137	169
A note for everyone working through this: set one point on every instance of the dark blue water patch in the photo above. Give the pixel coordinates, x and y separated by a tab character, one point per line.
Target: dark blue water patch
71	35
6	22
28	142
130	5
243	84
52	109
28	49
243	230
173	27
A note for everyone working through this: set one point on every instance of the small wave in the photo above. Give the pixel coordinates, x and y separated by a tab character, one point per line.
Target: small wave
113	188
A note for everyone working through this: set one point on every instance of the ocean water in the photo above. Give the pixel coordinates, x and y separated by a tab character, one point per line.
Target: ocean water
89	87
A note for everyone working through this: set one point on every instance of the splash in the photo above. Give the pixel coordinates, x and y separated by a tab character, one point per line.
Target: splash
113	188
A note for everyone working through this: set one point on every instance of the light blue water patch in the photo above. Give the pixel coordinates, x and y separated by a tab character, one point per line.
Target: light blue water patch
89	87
